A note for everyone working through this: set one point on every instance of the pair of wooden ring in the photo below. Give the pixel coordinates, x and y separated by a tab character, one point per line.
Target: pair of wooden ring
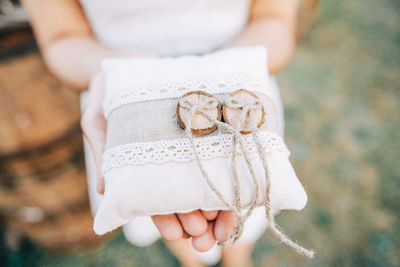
201	125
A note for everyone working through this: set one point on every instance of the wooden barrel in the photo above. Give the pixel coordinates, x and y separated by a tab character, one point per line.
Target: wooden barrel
43	190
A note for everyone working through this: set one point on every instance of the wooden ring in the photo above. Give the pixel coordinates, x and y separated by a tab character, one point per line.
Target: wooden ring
231	116
200	124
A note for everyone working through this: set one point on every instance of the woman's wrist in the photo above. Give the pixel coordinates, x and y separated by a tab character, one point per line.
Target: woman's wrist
76	59
276	34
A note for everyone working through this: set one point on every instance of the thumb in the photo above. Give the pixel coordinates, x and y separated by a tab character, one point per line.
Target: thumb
94	130
94	127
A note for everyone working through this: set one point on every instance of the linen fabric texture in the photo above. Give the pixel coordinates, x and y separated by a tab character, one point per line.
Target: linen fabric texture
148	164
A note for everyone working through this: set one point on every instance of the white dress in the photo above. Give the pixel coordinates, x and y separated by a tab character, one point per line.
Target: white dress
170	28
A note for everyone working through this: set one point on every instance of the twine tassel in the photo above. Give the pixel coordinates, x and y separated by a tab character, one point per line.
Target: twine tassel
246	109
275	228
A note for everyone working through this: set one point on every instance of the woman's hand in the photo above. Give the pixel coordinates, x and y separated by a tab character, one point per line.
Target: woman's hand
205	227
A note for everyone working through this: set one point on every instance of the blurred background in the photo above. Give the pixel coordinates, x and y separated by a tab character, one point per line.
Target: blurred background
342	109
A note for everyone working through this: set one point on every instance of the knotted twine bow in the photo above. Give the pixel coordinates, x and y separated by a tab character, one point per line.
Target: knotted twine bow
246	108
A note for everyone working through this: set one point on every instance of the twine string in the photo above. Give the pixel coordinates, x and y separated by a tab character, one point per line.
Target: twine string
200	107
246	109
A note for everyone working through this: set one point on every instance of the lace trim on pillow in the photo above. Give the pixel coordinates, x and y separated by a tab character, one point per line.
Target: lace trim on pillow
221	83
179	150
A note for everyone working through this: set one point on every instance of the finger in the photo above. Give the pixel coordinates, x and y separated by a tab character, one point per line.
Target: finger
185	235
94	129
206	241
94	126
225	224
194	222
100	187
210	215
169	226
